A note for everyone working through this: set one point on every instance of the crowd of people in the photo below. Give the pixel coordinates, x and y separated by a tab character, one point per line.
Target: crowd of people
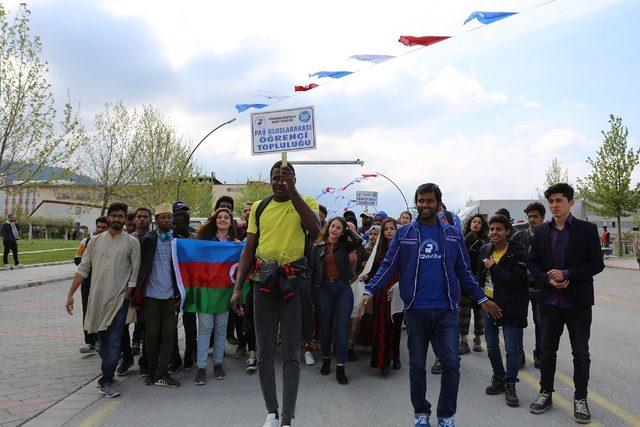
341	283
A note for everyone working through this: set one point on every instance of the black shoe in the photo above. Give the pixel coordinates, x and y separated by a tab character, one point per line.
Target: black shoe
123	368
252	365
174	367
143	371
218	372
536	360
510	395
351	355
396	364
340	375
463	347
523	361
581	411
149	380
384	371
436	369
542	403
497	385
477	344
201	377
326	366
167	381
232	340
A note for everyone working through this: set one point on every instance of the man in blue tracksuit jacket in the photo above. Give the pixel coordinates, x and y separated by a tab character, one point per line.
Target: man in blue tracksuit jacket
431	260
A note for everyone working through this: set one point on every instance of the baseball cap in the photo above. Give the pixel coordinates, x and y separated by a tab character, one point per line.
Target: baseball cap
366	214
179	205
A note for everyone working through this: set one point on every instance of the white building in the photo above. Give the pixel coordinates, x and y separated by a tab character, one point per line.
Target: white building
79	214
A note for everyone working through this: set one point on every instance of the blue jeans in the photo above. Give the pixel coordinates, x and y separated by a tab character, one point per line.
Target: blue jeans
334	303
512	344
440	327
206	323
110	342
537	321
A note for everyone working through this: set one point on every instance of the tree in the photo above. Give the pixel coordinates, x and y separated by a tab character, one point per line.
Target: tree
555	174
112	152
30	137
252	191
607	189
162	160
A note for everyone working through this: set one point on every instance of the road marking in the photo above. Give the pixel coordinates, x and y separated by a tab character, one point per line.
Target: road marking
605	404
557	399
100	414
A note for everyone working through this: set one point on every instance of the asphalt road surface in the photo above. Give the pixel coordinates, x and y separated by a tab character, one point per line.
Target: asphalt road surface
369	400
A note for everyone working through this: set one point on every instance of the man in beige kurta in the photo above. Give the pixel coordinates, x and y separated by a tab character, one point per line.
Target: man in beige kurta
112	259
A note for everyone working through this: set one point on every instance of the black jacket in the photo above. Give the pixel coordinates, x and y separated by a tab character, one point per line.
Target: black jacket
148	246
341	255
584	260
7	232
509	277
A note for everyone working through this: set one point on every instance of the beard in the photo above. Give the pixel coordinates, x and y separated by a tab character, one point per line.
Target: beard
116	225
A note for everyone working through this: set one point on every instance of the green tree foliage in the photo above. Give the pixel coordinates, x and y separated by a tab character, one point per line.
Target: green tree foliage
31	135
161	163
252	191
112	154
555	174
137	157
608	189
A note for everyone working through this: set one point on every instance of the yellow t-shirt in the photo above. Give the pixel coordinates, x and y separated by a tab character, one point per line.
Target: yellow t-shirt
496	256
281	234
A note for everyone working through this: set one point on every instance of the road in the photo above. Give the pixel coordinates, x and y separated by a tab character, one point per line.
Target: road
367	400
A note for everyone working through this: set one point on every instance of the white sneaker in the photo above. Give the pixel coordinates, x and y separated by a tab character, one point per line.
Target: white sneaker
271	421
308	359
87	349
19	266
6	265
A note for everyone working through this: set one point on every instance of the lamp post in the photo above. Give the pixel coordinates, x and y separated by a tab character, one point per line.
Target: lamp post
395	185
194	150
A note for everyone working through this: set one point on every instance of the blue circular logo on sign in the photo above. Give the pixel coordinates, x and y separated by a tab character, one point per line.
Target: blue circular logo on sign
304	116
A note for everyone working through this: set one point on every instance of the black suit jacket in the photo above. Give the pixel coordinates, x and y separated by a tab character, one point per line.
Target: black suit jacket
584	260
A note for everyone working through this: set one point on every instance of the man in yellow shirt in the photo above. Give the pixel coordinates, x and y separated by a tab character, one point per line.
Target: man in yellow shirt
275	246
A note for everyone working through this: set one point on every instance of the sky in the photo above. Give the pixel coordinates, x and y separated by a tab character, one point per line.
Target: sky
481	114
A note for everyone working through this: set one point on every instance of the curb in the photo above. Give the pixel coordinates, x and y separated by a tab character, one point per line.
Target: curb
44	264
36	283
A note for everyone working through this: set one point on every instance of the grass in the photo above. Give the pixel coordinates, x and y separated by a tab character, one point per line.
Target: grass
44	257
41	245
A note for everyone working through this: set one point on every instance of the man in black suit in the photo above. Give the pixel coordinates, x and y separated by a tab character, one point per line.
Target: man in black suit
564	256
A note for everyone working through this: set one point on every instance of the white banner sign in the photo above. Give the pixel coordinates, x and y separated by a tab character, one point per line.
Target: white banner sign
283	130
367	198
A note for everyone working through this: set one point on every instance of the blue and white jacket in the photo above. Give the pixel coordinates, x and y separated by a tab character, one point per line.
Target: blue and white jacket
403	258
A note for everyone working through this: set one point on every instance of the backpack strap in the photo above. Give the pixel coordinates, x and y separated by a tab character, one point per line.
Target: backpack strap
261	207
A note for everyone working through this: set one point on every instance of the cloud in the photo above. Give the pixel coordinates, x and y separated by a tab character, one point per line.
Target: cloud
461	91
562	141
531	104
574	104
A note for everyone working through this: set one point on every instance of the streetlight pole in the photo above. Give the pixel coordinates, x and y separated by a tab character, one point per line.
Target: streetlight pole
395	185
194	150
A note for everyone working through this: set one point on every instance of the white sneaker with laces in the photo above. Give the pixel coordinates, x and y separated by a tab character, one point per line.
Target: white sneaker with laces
308	359
271	421
87	349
